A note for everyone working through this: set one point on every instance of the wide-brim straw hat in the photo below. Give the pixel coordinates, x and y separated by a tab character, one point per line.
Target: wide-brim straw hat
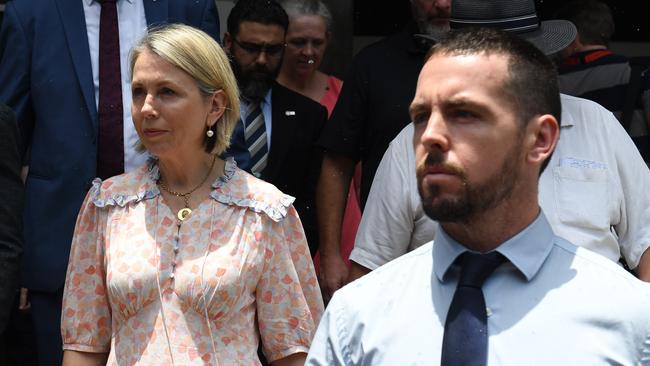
517	16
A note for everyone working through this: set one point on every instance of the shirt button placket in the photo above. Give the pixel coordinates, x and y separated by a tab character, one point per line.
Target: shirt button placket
174	259
176	245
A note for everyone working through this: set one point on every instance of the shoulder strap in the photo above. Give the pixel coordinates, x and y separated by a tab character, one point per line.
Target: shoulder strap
638	66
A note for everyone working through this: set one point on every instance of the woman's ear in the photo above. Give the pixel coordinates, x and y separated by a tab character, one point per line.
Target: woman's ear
217	107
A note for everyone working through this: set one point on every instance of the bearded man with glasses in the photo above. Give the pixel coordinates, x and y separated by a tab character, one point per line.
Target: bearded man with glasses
276	135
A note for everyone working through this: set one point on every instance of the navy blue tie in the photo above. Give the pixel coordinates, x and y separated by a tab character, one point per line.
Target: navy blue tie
465	341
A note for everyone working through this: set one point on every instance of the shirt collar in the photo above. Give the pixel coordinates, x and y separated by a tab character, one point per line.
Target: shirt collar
90	2
567	118
266	100
527	250
586	57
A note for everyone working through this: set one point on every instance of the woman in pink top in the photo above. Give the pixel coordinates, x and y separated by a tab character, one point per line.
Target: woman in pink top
187	260
307	38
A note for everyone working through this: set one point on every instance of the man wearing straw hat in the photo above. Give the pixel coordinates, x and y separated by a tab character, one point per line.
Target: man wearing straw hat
593	192
498	286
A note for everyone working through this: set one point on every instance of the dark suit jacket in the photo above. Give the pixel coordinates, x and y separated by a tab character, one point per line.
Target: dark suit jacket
46	78
294	162
11	211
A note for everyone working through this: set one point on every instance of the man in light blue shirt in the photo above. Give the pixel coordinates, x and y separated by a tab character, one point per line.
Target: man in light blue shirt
486	115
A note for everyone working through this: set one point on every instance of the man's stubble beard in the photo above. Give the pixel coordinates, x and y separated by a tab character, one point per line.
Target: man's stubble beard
436	26
474	199
254	83
433	30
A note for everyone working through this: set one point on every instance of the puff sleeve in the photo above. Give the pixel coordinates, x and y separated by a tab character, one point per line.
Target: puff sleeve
86	314
289	303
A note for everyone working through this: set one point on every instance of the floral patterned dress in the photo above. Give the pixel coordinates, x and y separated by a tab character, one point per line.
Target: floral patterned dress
151	292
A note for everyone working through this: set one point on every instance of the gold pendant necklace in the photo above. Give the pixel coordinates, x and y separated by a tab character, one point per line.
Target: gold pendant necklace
184	212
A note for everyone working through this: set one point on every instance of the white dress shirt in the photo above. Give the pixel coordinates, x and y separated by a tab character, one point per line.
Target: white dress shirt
594	192
133	25
552	303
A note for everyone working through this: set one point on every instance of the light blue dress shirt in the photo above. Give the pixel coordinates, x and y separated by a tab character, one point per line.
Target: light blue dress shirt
552	304
265	104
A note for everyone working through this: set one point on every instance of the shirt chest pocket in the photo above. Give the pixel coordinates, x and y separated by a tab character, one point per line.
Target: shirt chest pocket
582	197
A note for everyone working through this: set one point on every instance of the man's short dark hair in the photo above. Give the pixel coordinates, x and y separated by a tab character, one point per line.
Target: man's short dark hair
531	85
592	18
267	12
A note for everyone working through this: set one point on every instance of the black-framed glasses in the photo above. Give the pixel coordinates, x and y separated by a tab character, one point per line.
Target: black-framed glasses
272	50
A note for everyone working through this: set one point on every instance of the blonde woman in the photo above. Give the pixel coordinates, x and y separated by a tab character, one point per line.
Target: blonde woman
188	260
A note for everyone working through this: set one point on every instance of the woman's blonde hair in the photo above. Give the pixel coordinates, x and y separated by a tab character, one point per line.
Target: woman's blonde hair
201	57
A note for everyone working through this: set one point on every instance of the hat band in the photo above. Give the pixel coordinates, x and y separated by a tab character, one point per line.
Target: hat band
526	23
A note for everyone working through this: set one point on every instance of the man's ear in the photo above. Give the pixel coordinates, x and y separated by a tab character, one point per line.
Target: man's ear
577	44
572	48
227	42
218	107
543	132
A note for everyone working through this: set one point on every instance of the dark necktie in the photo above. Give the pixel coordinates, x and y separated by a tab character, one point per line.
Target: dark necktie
255	136
465	341
110	144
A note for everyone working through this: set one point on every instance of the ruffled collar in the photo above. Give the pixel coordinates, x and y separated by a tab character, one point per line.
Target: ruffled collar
234	187
229	171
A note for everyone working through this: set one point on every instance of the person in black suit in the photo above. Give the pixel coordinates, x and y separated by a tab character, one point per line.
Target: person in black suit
11	209
16	340
278	143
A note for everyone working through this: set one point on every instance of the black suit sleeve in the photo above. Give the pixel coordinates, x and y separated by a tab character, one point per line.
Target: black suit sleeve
11	206
306	207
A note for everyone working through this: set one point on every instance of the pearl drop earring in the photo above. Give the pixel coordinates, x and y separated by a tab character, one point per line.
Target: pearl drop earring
209	133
